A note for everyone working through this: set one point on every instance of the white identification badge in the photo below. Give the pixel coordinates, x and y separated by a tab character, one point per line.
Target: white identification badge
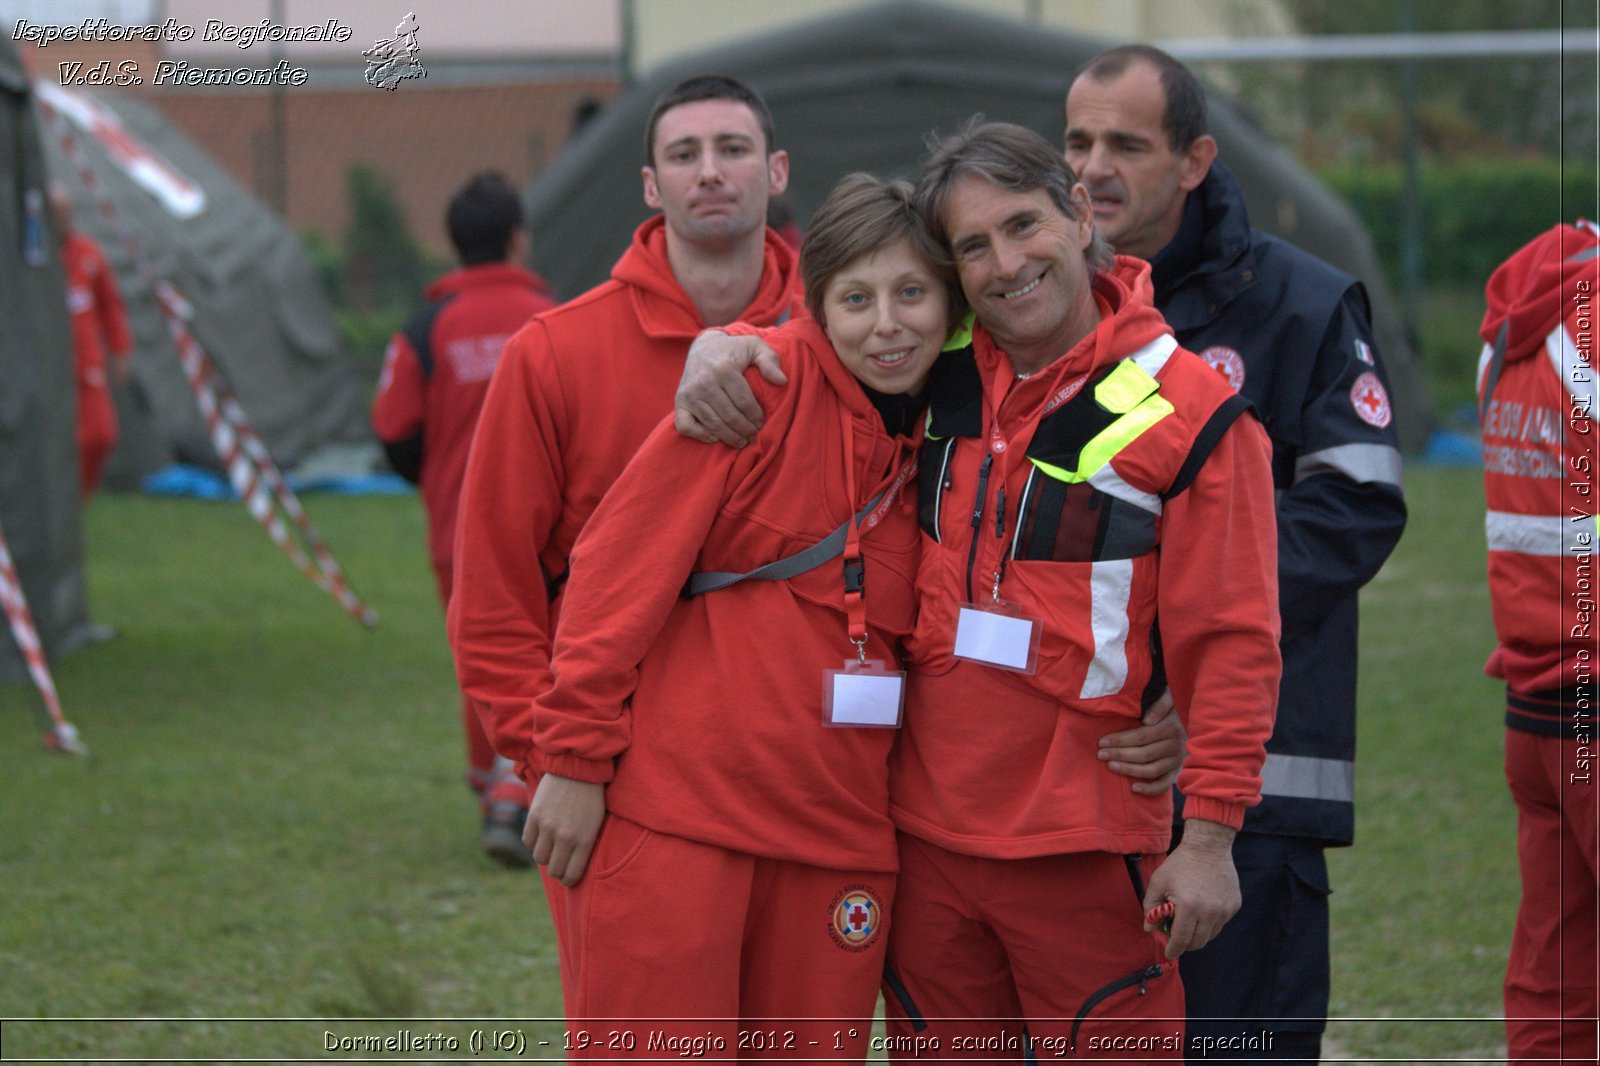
996	634
863	694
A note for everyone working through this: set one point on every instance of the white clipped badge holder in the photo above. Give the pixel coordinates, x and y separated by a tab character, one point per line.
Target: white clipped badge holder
998	634
861	693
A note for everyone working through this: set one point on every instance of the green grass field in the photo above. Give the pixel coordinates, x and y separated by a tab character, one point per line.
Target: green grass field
274	823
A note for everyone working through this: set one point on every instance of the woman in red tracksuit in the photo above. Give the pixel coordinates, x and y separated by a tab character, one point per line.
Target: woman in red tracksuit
727	847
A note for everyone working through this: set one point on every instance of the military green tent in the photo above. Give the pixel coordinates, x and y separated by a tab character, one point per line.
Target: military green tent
256	305
39	509
862	89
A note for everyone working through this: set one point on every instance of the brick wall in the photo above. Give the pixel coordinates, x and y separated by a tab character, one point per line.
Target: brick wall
426	140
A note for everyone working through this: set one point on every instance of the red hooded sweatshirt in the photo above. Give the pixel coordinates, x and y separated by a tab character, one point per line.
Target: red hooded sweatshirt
705	714
1002	765
470	314
576	392
1537	410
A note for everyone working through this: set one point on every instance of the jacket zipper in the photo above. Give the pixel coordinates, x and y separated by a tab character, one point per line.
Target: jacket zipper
977	520
1022	509
1141	978
943	486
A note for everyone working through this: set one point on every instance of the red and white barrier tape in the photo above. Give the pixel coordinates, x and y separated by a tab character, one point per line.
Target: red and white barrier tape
63	736
251	471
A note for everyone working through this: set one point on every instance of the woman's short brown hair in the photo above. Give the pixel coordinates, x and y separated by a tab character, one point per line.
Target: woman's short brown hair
861	215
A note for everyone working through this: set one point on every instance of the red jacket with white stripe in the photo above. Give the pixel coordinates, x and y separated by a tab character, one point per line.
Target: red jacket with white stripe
705	714
1003	764
576	393
1537	399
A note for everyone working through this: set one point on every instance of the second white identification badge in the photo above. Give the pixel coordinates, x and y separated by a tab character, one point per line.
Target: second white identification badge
863	694
998	634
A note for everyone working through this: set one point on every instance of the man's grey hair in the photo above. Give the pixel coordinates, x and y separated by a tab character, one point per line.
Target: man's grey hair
1011	157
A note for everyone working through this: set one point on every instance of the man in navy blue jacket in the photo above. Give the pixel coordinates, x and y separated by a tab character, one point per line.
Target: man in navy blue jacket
1293	334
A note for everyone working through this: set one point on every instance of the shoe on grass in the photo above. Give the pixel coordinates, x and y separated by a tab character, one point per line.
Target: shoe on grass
502	835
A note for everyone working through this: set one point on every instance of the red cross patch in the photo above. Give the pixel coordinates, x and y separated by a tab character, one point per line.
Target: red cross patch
1371	401
857	917
1227	362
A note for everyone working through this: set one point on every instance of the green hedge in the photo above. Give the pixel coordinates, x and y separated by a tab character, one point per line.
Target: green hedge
1475	213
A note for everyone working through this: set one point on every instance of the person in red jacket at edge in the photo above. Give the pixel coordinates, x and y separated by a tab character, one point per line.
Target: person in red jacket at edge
1536	391
1081	472
99	325
435	374
716	739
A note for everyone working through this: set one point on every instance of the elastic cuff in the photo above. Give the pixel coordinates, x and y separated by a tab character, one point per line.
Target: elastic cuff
1211	810
579	769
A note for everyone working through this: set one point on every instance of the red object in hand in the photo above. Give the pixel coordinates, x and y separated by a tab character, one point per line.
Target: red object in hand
1161	916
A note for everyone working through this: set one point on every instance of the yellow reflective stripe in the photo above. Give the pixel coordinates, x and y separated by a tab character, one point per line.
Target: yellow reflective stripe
961	336
1109	441
1071	477
1121	433
1122	390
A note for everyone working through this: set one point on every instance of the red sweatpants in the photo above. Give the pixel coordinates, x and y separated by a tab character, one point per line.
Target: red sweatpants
97	428
983	947
670	947
1554	969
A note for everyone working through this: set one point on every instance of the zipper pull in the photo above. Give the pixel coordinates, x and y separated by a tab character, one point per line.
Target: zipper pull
983	487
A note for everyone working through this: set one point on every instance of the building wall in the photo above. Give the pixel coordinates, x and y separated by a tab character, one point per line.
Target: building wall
426	140
664	29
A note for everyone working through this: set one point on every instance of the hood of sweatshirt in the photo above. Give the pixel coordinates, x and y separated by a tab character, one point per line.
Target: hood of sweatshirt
665	310
1530	293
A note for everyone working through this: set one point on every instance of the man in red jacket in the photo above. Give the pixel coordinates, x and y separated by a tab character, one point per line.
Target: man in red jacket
99	325
1082	473
1536	389
579	389
435	375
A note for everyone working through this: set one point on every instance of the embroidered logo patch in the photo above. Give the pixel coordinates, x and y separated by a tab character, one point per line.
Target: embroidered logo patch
1371	400
1227	362
857	917
1364	352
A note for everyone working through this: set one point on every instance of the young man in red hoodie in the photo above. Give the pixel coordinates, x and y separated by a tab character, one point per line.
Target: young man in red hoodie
1536	390
579	389
435	375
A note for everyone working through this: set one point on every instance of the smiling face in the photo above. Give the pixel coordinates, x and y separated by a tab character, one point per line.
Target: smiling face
1022	267
712	175
1117	143
886	313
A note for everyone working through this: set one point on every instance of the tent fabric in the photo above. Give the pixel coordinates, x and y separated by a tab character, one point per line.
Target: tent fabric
863	89
39	507
258	308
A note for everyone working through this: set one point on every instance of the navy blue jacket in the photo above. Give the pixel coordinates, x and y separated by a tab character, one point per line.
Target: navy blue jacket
1294	335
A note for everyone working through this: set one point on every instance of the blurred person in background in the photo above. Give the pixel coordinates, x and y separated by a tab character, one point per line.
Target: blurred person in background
1536	394
435	374
99	329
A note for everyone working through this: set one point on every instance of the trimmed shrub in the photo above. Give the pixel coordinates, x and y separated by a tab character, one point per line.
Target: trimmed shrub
1474	213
